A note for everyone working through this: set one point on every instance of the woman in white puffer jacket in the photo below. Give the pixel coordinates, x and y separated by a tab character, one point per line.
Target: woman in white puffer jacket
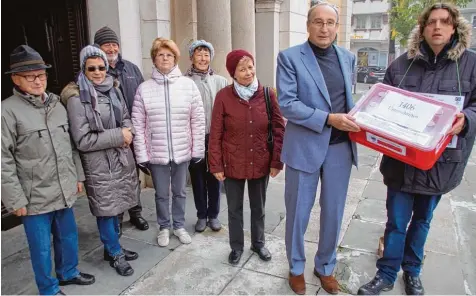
169	122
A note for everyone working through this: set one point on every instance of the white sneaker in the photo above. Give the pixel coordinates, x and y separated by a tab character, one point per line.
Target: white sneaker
183	235
163	237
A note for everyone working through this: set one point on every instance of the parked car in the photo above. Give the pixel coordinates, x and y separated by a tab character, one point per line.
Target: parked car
370	74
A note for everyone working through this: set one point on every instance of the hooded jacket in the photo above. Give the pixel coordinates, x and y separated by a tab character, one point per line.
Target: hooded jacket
454	69
111	186
40	168
169	120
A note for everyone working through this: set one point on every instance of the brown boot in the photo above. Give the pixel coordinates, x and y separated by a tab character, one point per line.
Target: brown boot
329	283
297	283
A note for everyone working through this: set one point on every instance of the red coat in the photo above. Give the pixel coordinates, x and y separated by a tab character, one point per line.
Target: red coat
238	134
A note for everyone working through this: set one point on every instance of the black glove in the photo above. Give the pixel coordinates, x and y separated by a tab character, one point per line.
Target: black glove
144	167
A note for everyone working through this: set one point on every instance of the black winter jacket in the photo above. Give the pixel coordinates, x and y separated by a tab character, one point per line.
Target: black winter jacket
129	77
438	75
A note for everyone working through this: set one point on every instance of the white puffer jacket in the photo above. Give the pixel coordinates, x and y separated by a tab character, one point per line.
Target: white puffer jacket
168	119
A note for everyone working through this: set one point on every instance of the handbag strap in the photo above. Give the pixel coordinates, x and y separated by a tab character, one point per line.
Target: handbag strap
268	111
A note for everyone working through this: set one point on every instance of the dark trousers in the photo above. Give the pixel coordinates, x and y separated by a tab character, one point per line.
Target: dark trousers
405	247
135	211
235	189
108	232
206	191
38	229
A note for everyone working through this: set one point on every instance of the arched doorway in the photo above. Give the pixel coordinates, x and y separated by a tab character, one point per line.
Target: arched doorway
367	56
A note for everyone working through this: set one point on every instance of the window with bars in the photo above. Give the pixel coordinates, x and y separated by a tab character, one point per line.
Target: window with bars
376	22
360	21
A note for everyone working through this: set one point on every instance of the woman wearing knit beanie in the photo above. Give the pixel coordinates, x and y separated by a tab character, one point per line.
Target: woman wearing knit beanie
170	132
239	150
206	188
101	128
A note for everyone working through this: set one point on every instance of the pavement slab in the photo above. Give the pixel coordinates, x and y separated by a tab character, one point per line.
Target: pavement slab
183	274
248	282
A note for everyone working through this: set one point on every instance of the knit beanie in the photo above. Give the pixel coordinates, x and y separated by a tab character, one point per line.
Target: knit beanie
105	35
234	57
198	43
92	51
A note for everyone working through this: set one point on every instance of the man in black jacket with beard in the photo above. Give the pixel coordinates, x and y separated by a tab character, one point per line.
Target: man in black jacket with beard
437	62
130	78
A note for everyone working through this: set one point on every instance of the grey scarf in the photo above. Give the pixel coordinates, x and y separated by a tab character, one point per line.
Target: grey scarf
88	93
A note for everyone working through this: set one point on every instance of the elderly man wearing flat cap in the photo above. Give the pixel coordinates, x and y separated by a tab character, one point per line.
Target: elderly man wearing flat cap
130	78
41	173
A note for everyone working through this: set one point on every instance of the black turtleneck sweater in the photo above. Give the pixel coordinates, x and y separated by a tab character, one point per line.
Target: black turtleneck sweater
332	73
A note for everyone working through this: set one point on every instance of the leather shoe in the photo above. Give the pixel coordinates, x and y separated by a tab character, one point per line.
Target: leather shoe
129	255
263	253
297	283
328	283
375	286
81	279
234	257
121	265
413	285
60	293
139	223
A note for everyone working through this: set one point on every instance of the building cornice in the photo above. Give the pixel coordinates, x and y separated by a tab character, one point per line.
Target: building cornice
268	5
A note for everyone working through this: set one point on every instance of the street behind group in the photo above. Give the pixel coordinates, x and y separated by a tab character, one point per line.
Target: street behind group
110	124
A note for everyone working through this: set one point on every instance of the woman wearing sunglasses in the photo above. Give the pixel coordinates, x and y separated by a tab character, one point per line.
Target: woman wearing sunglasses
101	128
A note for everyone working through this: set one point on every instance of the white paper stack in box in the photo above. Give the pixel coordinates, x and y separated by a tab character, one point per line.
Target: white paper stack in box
404	125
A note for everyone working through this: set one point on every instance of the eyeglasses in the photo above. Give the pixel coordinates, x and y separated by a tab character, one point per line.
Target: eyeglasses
94	68
432	22
32	78
168	55
320	23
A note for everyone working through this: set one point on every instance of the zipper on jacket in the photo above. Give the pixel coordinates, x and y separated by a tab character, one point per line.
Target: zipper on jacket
47	109
168	120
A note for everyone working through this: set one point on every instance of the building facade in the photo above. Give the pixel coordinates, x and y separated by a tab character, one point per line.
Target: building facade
58	29
370	34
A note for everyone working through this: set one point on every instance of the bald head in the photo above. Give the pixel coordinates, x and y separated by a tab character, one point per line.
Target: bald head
323	6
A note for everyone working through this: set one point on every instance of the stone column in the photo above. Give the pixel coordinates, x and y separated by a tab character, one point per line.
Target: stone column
155	22
267	39
184	20
243	25
122	16
130	24
214	25
292	23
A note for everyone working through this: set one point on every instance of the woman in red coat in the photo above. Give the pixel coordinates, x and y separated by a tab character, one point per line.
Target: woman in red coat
238	149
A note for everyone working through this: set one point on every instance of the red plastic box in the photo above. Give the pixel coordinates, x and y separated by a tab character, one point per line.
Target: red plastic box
404	125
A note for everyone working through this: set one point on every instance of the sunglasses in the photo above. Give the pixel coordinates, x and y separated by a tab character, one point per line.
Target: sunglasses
93	68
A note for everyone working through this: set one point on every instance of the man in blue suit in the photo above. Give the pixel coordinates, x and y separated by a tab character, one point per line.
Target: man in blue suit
314	82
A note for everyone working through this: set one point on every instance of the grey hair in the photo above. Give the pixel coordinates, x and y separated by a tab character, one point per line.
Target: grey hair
322	3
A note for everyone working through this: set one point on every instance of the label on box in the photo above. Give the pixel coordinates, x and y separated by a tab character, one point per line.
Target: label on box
406	111
457	101
392	129
387	144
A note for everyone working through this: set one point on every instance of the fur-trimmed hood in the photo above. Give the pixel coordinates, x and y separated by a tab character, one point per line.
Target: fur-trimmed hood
463	31
72	90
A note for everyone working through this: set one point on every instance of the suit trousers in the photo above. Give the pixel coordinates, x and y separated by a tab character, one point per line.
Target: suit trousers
300	194
235	189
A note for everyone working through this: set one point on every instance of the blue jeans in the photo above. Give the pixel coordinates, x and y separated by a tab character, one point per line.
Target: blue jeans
38	229
109	234
405	247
